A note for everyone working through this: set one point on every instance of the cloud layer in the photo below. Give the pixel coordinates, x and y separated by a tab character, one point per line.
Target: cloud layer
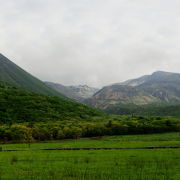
91	42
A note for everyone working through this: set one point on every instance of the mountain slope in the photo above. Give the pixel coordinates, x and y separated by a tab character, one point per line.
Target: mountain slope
164	86
78	93
13	74
160	87
145	110
19	105
116	94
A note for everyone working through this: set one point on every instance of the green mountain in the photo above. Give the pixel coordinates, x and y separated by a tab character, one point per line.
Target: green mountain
13	74
157	88
19	105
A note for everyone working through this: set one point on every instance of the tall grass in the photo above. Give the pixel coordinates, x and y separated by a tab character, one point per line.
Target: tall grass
91	165
144	164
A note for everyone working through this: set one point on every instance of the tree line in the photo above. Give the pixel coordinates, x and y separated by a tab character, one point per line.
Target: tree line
29	132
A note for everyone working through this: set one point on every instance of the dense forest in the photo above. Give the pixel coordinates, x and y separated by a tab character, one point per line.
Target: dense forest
18	105
112	125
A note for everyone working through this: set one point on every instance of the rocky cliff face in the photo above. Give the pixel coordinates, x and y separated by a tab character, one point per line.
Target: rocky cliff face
156	88
78	93
84	91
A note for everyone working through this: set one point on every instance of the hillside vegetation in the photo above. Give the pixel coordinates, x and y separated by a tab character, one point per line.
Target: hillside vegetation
19	105
145	110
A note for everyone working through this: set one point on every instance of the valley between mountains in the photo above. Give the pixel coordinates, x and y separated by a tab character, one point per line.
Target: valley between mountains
122	126
153	94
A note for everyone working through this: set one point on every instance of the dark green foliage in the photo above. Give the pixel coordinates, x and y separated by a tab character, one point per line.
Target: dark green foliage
18	105
146	110
113	125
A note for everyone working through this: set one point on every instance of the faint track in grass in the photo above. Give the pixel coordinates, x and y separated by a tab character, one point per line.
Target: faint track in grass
75	149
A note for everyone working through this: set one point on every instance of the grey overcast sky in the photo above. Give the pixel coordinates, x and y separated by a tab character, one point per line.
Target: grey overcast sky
93	42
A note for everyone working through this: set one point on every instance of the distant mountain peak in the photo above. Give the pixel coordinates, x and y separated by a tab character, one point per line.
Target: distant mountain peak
78	92
161	73
159	87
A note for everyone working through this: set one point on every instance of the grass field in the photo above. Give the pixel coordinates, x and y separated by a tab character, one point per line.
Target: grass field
144	164
166	139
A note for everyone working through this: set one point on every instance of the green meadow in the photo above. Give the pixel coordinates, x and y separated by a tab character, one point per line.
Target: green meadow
164	139
141	164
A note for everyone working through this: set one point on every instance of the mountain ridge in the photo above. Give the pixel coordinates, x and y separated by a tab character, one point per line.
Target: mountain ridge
15	75
159	87
78	93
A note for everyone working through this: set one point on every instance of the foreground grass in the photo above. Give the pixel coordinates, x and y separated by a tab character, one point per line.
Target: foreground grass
142	164
91	165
